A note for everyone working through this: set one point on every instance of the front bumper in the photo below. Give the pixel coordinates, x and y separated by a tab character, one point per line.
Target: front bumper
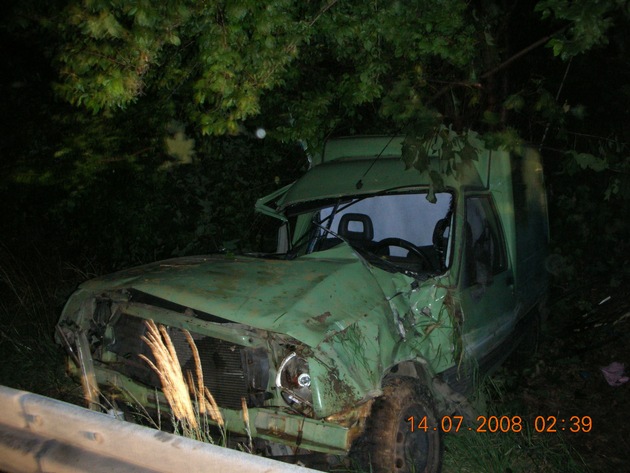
268	423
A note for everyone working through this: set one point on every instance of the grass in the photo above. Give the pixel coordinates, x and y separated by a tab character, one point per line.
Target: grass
33	290
519	450
523	452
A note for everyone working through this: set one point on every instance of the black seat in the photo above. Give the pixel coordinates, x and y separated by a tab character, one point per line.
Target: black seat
357	229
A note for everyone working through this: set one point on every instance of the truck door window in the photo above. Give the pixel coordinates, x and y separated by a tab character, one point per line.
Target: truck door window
484	248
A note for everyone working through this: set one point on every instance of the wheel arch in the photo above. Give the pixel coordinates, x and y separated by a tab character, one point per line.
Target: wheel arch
447	400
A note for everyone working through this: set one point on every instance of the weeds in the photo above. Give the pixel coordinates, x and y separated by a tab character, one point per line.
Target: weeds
191	402
518	450
250	445
32	292
168	369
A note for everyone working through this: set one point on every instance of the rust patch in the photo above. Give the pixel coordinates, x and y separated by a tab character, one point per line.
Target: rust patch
349	417
354	419
340	390
321	318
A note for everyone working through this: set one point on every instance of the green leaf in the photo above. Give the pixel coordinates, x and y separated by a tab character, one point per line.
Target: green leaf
589	161
514	102
409	153
557	46
469	152
612	189
448	154
422	162
181	147
491	118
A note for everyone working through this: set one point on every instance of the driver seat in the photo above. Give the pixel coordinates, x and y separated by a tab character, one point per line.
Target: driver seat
356	229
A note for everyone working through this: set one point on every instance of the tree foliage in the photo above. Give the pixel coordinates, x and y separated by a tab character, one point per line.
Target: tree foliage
329	56
160	99
310	69
324	59
587	23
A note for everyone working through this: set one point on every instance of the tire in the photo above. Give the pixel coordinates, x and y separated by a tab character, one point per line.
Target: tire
387	444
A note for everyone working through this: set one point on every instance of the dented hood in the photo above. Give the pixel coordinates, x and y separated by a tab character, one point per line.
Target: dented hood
308	298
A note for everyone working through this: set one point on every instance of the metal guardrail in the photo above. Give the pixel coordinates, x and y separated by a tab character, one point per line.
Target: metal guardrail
40	434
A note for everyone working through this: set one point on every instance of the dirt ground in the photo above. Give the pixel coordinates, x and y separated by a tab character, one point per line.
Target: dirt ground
566	379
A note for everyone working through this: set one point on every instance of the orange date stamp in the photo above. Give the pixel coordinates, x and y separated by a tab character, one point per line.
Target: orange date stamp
494	424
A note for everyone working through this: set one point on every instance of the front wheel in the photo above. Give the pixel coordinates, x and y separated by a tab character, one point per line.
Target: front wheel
388	443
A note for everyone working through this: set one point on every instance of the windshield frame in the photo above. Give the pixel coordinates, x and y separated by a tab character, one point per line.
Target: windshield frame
304	229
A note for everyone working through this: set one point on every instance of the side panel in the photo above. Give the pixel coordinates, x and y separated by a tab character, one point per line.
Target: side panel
516	183
500	184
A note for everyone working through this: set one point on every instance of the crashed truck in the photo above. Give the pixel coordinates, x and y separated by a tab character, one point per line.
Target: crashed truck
388	297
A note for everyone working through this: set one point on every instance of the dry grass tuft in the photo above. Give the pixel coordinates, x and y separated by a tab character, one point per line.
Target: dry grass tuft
167	367
182	393
245	411
213	411
199	389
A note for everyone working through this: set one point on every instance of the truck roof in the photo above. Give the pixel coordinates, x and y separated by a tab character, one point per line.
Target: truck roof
363	165
360	176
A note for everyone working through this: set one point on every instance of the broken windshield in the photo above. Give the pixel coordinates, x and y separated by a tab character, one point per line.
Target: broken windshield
405	230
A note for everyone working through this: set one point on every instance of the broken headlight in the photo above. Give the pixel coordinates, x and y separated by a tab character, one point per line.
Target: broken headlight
294	381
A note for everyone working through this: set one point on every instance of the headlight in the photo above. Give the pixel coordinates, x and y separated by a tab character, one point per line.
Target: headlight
294	381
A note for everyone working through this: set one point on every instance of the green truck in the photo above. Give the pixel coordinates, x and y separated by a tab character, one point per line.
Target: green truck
391	293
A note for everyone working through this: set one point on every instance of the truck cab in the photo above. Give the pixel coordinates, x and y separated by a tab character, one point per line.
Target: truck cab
398	280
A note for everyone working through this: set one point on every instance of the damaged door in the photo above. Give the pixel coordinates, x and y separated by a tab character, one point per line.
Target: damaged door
486	282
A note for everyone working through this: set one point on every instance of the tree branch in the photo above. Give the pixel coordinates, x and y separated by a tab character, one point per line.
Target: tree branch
521	53
501	66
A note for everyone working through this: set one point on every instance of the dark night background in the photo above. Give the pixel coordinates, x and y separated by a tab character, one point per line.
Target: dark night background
87	188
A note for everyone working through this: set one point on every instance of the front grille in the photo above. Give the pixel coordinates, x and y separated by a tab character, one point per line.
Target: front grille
229	371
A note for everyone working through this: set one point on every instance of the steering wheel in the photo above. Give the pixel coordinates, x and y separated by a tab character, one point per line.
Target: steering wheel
404	244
